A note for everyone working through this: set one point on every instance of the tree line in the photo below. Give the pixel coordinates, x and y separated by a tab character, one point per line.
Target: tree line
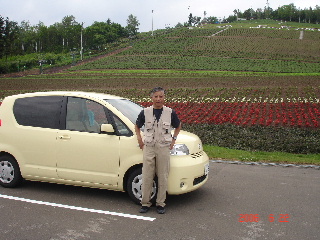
284	13
65	36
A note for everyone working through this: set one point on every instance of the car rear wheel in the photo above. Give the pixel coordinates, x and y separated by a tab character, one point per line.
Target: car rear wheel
134	185
10	175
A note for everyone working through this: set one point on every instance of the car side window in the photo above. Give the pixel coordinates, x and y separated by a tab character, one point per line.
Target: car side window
39	111
84	115
122	129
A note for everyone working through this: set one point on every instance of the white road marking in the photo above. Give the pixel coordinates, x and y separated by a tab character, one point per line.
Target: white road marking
77	208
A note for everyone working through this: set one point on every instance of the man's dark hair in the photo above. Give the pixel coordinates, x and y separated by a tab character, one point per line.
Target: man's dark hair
157	89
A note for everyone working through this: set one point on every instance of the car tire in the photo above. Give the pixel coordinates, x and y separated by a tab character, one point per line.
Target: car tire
134	185
10	175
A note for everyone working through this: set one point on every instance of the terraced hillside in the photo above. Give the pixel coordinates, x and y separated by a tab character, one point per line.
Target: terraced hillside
222	48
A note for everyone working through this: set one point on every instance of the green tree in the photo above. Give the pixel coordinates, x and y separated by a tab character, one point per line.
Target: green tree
317	14
237	13
231	18
267	12
249	14
71	31
179	25
287	12
100	33
55	38
2	27
190	19
193	20
259	13
132	26
25	29
11	35
196	21
212	20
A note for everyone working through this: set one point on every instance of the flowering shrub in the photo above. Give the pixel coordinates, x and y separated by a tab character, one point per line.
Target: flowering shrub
291	126
248	114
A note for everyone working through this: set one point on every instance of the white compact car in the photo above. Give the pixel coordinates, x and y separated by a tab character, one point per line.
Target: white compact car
86	139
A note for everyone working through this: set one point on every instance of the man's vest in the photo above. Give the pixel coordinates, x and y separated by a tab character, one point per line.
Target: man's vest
157	131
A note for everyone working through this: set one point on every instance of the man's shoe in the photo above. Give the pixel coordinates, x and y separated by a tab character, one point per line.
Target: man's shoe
144	209
161	210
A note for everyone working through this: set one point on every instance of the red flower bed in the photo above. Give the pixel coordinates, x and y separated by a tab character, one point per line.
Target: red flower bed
248	114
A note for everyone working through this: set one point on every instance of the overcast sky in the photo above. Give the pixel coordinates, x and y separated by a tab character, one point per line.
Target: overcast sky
167	13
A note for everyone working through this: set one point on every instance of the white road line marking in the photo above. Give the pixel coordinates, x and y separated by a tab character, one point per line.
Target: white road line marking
77	208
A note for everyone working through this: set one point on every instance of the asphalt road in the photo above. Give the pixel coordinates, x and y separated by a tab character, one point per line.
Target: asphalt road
238	202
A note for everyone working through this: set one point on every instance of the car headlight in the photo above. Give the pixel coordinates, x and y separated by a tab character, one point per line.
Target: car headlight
179	149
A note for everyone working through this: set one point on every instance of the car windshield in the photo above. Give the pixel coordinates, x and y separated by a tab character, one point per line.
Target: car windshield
129	109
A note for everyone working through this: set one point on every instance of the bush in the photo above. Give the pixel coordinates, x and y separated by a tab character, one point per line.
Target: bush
258	138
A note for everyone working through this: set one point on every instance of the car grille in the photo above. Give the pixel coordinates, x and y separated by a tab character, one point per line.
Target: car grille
196	155
199	180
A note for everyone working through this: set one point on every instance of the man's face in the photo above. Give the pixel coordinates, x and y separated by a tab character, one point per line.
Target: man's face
158	99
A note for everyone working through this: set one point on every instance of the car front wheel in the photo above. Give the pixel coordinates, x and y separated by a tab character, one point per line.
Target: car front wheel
10	175
134	186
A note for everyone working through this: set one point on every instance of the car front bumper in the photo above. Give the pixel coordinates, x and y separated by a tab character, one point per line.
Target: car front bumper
187	173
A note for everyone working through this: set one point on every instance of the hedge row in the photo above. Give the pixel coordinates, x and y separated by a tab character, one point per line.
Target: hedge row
258	138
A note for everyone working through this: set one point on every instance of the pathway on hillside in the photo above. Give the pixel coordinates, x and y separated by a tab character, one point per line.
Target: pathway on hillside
217	33
54	70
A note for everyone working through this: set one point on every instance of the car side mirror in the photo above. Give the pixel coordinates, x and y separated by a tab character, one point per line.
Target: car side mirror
107	128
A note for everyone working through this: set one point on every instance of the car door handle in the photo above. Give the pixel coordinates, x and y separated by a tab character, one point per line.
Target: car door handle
64	137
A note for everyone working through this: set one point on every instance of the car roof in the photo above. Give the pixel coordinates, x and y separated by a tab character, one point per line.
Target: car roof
70	93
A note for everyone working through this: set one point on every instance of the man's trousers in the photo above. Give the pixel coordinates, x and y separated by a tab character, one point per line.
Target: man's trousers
156	161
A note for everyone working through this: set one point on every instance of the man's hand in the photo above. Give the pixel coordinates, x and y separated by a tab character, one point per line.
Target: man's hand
141	144
175	133
172	143
138	132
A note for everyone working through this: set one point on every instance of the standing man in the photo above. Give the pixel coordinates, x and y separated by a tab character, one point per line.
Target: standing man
156	145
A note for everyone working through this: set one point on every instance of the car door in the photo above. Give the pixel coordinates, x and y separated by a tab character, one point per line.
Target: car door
84	154
38	120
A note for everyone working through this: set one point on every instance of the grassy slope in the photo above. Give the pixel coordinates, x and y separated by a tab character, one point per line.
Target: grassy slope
237	48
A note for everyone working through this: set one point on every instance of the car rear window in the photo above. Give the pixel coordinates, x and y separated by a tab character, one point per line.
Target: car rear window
39	111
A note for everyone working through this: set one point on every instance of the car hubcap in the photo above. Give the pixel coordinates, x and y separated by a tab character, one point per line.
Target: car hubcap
137	187
6	172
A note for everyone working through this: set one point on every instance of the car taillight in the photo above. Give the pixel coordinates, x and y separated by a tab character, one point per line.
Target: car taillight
0	122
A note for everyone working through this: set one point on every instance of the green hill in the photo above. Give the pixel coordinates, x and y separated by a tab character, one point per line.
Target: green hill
259	46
